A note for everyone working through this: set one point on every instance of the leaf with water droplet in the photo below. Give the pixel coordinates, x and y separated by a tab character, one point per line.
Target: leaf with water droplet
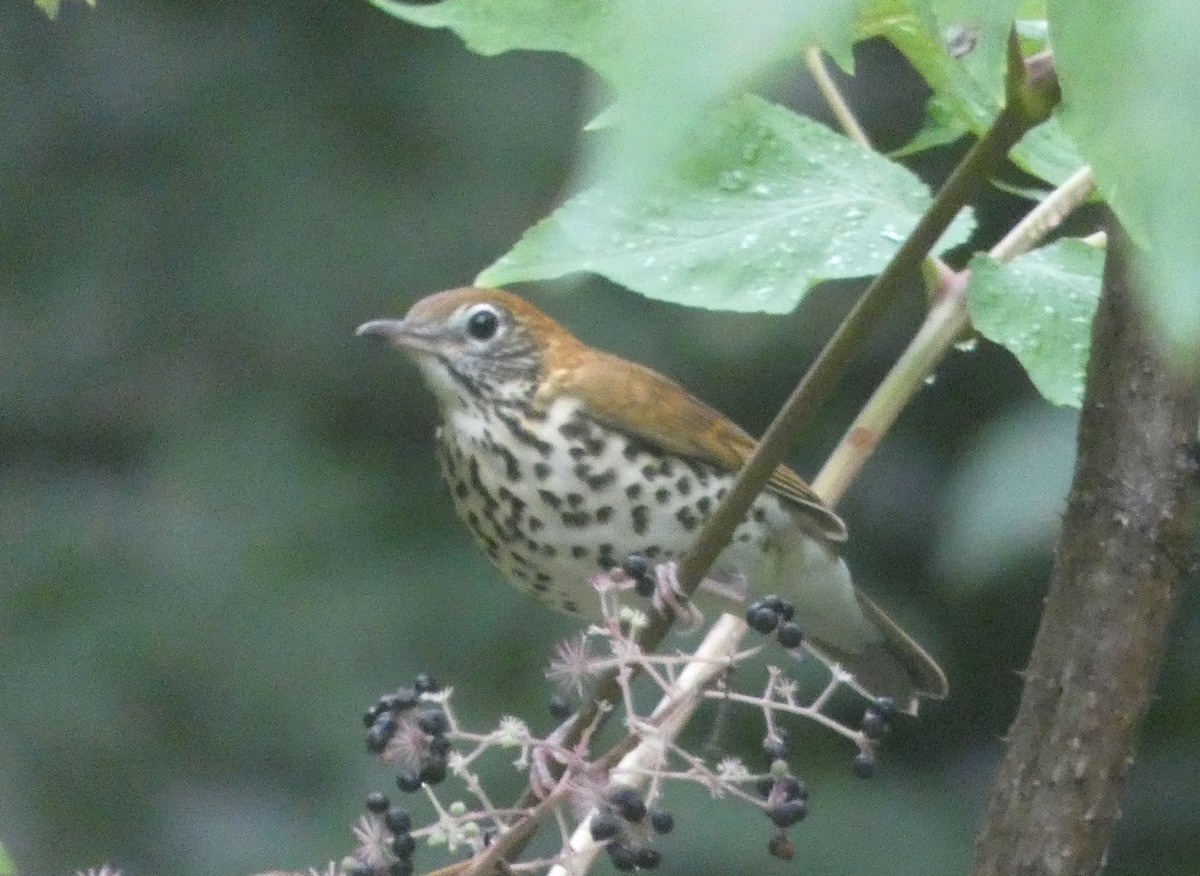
807	205
1040	307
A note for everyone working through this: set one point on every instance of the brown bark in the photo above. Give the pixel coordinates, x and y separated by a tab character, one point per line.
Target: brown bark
1123	558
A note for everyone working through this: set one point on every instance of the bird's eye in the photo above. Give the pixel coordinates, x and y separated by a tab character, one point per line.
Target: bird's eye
483	324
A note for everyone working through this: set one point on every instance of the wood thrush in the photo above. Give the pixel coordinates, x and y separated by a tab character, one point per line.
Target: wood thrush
564	460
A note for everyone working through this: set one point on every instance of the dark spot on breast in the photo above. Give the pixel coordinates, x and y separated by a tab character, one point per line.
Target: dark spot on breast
460	490
602	481
577	519
641	518
512	470
605	556
551	499
523	434
662	495
630	451
666	467
633	491
703	504
541	586
604	514
574	500
684	485
519	558
534	523
576	427
649	472
579	552
595	446
532	545
653	551
744	537
759	514
722	493
542	470
543	578
576	452
687	517
549	550
570	605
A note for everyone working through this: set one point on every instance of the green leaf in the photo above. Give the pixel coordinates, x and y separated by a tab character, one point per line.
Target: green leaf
766	204
959	46
1129	101
583	29
1040	307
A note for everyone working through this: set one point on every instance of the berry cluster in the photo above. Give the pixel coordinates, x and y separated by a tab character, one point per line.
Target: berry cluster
405	720
621	822
786	797
874	728
773	614
393	856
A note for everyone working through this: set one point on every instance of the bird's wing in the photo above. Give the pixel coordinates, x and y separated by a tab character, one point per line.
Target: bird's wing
642	402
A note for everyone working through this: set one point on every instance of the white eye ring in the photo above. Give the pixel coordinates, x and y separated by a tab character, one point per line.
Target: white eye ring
482	322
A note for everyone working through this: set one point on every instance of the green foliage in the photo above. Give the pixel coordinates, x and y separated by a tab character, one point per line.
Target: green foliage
1131	106
1040	307
6	865
766	204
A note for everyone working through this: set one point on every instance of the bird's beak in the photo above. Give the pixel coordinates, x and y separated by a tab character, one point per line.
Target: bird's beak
395	332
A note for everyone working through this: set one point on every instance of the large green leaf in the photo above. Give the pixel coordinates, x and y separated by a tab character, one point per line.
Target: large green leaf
1129	99
766	204
1040	306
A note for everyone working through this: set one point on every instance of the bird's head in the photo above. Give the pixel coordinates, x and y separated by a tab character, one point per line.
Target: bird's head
476	345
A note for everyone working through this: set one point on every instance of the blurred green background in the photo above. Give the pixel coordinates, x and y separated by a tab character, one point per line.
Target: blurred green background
222	532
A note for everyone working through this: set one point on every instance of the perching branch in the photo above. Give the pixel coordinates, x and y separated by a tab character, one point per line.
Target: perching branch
1125	552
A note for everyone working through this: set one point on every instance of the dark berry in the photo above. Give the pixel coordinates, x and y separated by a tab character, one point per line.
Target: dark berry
397	820
605	825
762	619
377	802
780	606
380	734
782	847
622	856
790	635
408	781
433	721
793	788
560	709
403	845
426	683
433	772
764	786
371	714
404	698
775	748
874	726
629	803
644	587
661	820
636	566
886	707
399	867
647	858
439	747
787	813
863	765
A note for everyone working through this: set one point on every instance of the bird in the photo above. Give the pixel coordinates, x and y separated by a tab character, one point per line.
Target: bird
564	460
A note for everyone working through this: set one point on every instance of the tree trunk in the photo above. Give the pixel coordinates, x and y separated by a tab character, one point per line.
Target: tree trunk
1125	552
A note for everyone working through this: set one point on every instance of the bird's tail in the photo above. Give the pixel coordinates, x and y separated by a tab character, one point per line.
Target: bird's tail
843	626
